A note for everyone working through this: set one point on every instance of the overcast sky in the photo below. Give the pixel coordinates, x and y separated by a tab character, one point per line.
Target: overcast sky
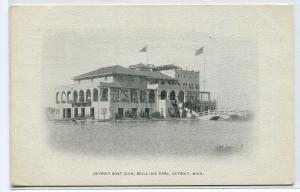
87	40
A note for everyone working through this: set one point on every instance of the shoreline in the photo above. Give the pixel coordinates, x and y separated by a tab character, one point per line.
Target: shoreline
124	120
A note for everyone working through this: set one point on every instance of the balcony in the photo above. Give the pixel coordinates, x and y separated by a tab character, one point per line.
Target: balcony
82	104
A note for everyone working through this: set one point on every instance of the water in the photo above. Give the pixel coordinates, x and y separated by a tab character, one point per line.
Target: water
178	137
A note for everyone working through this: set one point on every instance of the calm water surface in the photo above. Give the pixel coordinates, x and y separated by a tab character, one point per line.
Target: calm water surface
184	137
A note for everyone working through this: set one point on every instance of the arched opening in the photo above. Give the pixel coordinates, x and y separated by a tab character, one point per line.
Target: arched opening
172	95
63	97
81	96
181	96
88	95
95	95
163	95
57	97
75	97
69	100
151	96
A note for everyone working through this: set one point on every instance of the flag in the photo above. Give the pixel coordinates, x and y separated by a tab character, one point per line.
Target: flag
144	49
199	51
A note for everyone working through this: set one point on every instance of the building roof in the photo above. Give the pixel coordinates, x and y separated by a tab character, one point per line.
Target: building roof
141	66
165	67
116	69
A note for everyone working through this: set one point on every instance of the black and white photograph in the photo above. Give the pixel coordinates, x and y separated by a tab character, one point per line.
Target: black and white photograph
151	95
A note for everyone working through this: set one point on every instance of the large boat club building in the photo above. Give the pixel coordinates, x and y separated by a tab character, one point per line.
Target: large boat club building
110	91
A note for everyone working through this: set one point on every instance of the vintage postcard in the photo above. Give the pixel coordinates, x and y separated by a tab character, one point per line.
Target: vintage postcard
151	95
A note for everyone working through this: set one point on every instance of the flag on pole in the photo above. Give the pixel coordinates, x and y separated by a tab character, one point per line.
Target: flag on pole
199	51
144	49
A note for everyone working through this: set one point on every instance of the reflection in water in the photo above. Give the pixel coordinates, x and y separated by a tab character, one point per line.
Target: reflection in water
150	137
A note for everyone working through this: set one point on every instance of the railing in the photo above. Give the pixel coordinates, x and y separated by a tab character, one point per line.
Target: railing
213	112
225	112
82	104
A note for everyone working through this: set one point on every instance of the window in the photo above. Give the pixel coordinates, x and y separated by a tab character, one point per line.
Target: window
69	100
95	95
142	96
134	111
75	96
181	96
81	96
120	111
163	95
152	96
133	96
63	97
92	112
114	92
103	94
75	112
172	95
57	97
88	95
125	95
82	112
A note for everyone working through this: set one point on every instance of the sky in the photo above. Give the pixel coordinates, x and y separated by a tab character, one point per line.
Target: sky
87	40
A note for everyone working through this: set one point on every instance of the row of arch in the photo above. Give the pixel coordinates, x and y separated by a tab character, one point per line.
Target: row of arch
69	97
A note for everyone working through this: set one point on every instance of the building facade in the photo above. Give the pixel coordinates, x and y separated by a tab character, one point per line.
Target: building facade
141	89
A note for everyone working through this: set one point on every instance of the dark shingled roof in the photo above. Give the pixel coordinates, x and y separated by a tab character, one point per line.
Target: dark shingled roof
116	69
165	67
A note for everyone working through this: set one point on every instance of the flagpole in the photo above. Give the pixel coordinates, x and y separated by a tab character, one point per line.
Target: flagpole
204	75
147	57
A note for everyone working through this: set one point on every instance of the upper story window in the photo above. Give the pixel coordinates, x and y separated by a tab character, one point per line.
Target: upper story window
114	94
88	95
57	97
81	96
133	96
104	94
69	99
95	95
63	97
